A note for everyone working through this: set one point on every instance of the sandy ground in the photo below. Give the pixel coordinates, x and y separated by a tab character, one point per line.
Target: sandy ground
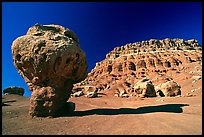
107	115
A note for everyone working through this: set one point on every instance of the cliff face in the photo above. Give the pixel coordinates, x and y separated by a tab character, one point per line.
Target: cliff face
154	59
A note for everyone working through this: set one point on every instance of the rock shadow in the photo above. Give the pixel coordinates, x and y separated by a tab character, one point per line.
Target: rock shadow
4	103
171	108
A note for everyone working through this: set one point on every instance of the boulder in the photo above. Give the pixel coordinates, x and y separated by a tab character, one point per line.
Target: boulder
123	94
77	89
168	89
145	88
14	90
78	94
90	89
91	94
196	78
50	60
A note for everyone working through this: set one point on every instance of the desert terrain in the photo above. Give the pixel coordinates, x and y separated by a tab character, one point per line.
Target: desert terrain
108	115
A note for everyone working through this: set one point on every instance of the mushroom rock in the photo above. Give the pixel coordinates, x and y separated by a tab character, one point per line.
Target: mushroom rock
50	60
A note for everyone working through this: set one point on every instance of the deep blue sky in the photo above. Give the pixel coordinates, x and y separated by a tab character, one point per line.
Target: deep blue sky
99	26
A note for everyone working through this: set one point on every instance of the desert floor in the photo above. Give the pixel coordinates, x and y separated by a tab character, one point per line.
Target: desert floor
106	115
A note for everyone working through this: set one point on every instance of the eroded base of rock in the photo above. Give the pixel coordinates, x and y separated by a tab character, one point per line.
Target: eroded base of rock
49	101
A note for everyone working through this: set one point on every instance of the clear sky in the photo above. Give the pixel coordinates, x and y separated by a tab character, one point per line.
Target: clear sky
100	26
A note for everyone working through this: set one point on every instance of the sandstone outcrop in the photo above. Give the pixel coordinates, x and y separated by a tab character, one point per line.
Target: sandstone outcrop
157	60
145	88
168	89
50	60
14	90
77	94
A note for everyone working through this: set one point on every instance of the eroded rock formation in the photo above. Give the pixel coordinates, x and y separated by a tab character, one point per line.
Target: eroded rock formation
50	60
168	89
144	88
157	60
14	90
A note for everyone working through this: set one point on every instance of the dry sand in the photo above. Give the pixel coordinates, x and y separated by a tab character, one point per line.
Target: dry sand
107	115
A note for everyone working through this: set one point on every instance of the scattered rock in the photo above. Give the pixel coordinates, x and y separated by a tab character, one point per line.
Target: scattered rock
91	94
195	78
116	95
178	96
189	94
78	94
88	89
192	90
123	94
133	94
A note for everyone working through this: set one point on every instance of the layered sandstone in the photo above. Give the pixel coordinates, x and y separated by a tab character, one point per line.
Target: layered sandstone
157	60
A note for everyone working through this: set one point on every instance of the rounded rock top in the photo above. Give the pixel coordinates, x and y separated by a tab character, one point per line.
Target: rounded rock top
49	55
39	30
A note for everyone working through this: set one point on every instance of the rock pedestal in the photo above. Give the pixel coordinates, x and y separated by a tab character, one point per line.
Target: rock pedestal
50	60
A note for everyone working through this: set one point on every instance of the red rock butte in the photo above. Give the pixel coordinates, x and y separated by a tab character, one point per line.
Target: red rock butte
159	61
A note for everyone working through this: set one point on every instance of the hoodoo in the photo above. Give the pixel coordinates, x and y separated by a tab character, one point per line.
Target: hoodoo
50	60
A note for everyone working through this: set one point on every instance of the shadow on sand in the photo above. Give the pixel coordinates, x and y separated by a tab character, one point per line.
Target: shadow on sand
171	108
8	101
